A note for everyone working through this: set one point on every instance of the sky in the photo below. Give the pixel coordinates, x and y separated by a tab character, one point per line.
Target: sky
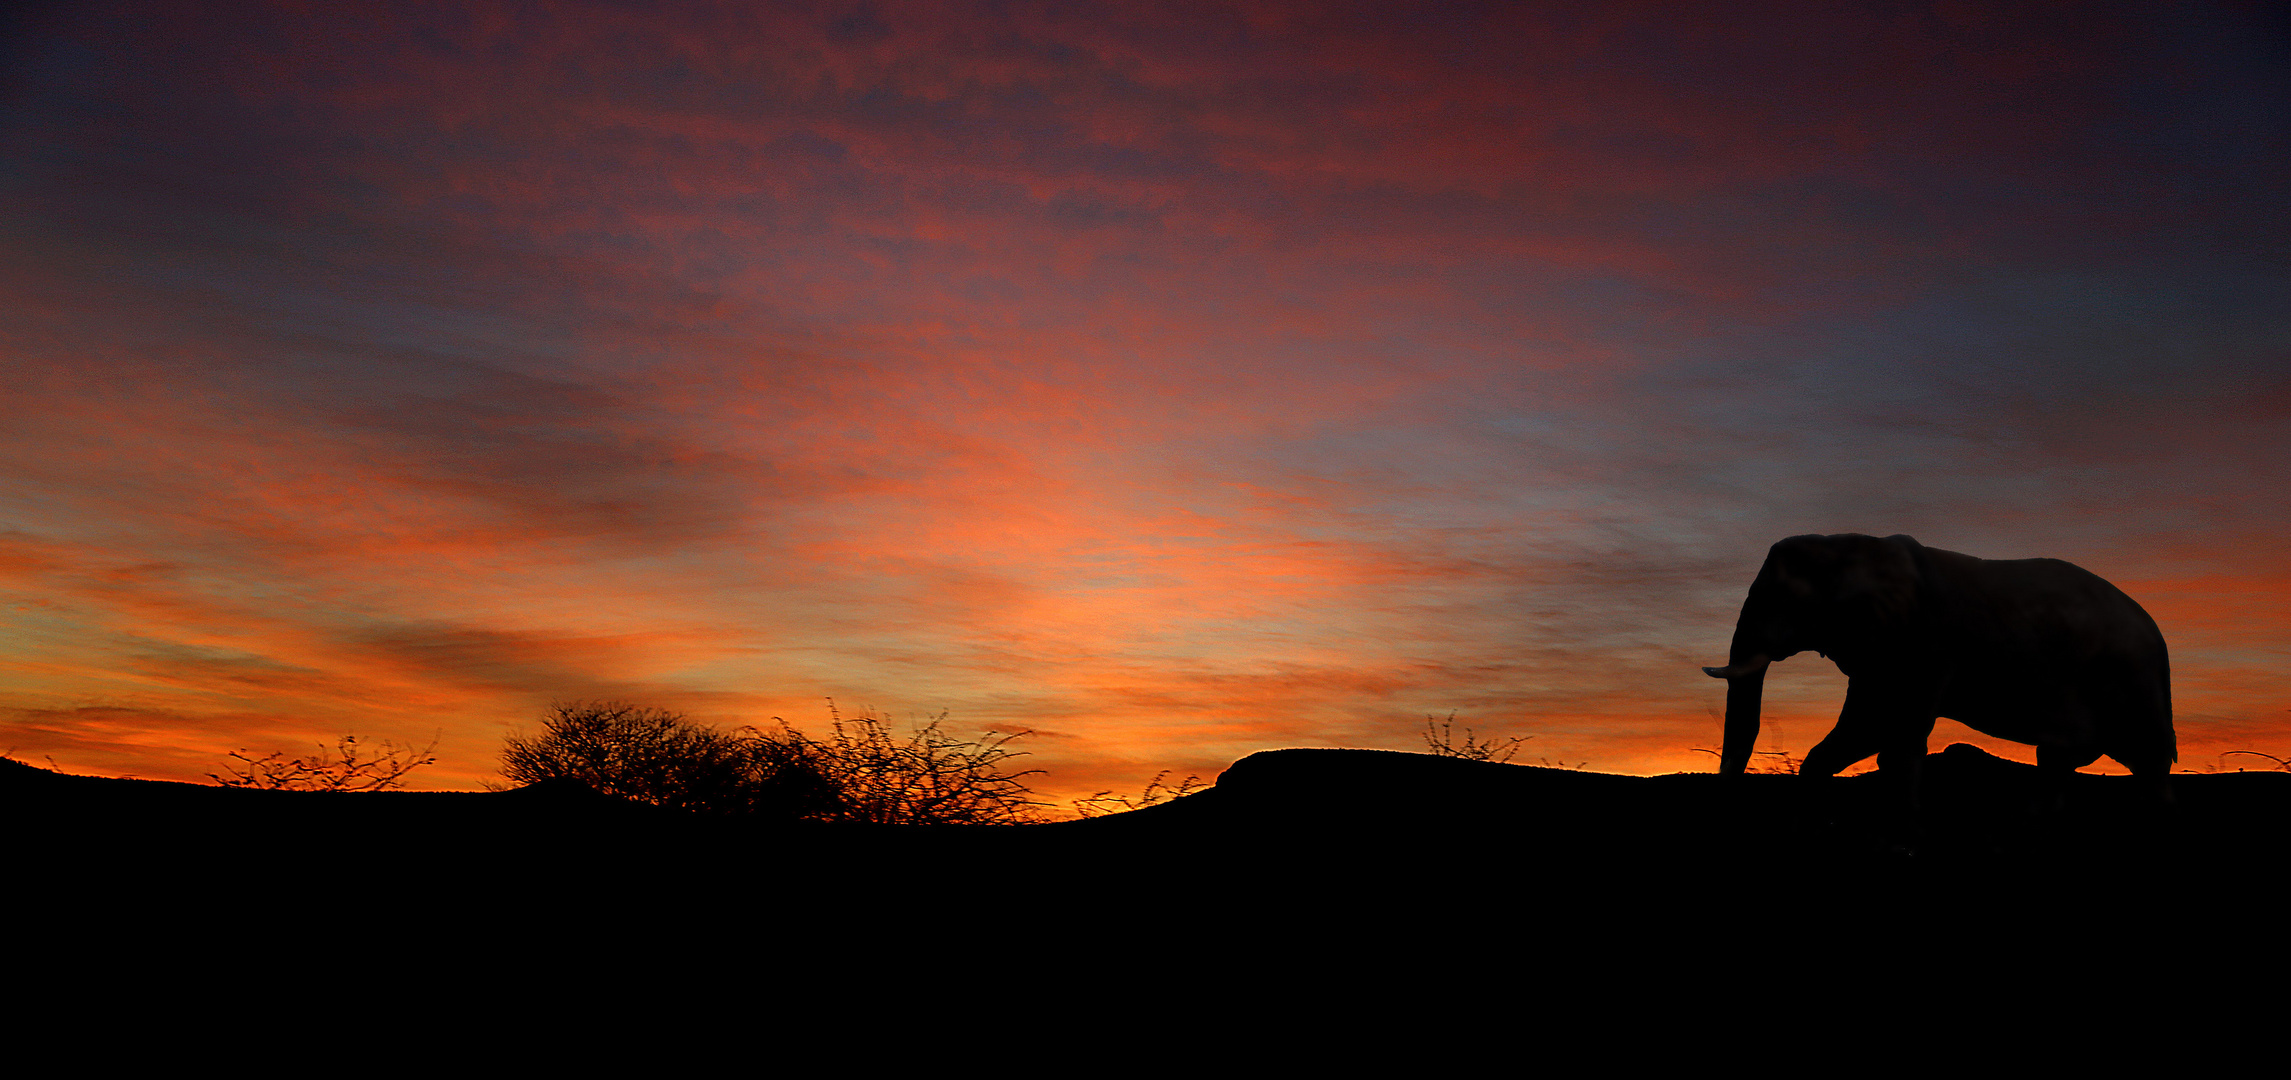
1170	380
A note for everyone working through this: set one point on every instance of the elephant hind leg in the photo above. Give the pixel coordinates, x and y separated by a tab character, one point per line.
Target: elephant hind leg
1902	761
2053	757
2057	762
2153	770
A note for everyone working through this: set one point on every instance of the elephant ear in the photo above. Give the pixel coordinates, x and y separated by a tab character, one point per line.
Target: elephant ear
1878	580
1798	570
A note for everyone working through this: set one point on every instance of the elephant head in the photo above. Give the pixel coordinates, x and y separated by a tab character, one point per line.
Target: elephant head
1847	597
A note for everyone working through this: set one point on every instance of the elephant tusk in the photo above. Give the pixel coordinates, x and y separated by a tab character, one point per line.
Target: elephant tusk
1752	666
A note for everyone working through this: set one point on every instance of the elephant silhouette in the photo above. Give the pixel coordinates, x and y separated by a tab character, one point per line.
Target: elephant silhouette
2037	651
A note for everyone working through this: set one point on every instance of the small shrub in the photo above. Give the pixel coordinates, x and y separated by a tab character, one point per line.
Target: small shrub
1779	762
1156	792
2281	764
927	778
344	768
659	758
862	773
1440	735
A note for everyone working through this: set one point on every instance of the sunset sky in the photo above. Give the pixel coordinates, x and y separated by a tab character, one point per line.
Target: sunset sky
1173	380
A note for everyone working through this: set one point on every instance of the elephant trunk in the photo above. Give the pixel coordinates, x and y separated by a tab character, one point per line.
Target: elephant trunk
1745	691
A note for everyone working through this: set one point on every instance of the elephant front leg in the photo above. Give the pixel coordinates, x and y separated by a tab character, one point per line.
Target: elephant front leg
1888	720
1864	728
1882	720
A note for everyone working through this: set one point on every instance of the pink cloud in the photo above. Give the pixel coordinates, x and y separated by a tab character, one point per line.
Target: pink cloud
1179	378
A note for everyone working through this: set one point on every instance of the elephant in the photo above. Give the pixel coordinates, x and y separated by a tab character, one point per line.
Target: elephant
2036	651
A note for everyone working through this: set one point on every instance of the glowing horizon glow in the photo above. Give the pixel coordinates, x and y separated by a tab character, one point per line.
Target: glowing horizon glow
1174	381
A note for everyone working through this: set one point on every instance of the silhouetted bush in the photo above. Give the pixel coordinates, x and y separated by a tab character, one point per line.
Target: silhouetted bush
1157	791
1774	762
927	778
344	768
862	773
1440	735
2281	764
659	758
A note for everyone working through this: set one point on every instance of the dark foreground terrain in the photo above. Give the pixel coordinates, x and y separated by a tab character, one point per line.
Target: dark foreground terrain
1349	858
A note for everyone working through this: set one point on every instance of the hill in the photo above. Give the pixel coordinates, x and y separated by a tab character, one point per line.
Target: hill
1399	854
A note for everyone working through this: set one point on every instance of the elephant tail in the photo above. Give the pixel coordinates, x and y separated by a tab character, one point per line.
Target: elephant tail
2164	710
2148	729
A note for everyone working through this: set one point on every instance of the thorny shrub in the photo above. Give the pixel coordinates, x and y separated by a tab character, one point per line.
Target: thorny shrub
1157	791
658	757
1776	762
861	773
927	778
346	767
1440	735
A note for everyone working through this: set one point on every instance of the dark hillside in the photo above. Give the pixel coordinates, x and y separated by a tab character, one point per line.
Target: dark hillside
1414	852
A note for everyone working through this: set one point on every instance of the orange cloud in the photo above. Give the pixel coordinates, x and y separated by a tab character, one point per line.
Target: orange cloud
1179	380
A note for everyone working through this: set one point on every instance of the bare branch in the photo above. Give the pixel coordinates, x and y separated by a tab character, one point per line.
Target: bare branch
346	767
1440	735
1156	792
